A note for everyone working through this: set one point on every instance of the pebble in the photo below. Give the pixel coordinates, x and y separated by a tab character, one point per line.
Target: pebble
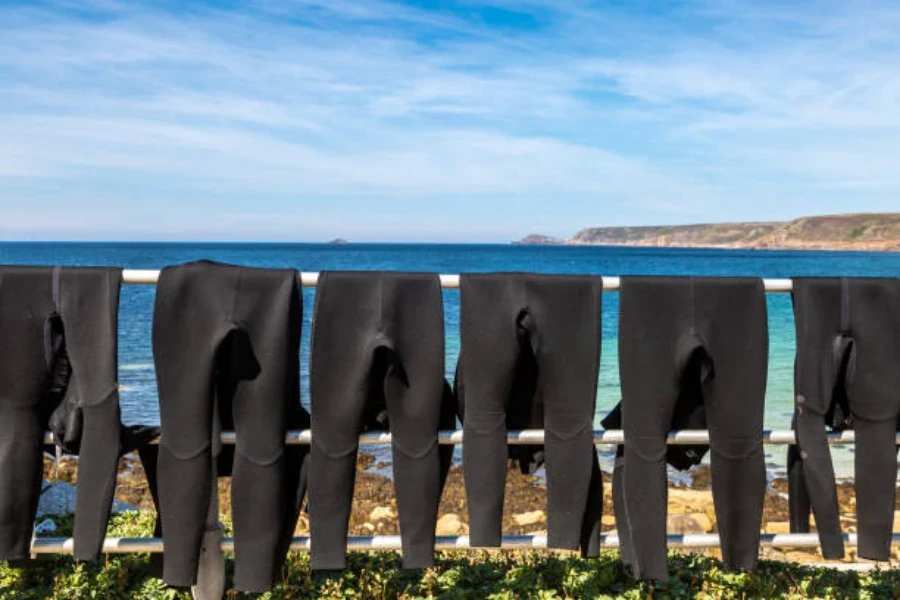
683	524
777	527
530	518
382	513
450	524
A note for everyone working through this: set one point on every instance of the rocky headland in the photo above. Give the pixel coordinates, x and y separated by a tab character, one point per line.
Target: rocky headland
868	232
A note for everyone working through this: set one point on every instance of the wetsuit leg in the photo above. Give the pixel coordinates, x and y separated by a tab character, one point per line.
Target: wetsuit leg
343	343
449	411
413	319
652	314
623	528
593	512
489	315
266	393
812	462
799	506
565	311
149	455
191	319
876	475
874	392
25	303
818	322
730	315
89	306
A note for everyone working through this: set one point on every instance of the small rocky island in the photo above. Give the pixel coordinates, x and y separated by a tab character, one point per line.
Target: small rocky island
870	232
339	241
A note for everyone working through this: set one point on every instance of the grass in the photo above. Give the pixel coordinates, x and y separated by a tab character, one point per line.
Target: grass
457	575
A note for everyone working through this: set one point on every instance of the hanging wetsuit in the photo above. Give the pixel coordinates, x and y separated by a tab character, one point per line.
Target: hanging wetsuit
377	363
696	341
226	346
549	324
847	375
58	340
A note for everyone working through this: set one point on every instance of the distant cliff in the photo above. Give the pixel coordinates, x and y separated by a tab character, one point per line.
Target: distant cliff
834	232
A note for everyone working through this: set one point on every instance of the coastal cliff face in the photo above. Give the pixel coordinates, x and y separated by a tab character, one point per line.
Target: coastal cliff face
880	232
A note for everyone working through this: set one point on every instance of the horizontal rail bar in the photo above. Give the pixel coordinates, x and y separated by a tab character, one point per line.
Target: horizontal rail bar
392	542
536	436
310	279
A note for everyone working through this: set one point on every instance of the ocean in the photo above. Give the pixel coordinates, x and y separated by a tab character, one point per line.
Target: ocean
136	374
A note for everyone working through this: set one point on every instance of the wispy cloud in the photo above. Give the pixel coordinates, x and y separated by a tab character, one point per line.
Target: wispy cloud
473	121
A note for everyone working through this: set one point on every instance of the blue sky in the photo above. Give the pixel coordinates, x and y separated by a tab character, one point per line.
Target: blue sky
439	121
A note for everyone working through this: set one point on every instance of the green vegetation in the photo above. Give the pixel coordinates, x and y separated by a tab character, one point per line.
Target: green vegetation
857	232
458	575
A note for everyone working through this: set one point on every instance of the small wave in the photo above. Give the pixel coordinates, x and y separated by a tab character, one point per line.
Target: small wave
136	367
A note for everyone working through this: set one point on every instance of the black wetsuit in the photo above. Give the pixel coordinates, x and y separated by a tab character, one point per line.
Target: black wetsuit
530	358
377	363
58	340
226	346
697	341
847	375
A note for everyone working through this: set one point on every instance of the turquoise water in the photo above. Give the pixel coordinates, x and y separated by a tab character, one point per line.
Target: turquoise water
136	361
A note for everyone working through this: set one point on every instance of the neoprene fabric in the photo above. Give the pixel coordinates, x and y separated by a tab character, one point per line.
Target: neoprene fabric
377	364
226	345
58	340
530	358
685	343
847	375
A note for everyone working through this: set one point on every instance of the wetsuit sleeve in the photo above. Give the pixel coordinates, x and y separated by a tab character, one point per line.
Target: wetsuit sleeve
89	304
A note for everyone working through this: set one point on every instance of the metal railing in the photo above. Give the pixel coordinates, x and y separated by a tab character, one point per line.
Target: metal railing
310	279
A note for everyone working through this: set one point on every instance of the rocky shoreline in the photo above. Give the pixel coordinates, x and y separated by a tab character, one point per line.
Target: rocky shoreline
375	509
859	232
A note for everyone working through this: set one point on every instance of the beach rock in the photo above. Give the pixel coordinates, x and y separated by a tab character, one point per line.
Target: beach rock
382	513
688	502
780	485
777	527
58	499
530	518
450	524
302	527
680	524
368	527
703	521
682	498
